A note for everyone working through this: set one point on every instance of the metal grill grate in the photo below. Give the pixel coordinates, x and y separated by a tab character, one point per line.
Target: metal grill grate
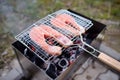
79	19
24	38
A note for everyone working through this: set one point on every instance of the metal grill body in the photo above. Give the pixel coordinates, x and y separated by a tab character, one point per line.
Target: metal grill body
54	65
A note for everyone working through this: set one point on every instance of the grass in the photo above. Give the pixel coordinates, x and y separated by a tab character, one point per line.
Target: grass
5	43
105	9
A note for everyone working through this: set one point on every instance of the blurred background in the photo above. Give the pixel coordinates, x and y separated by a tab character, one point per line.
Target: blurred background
16	15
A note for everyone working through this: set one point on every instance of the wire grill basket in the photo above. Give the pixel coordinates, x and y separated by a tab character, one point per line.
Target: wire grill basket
24	38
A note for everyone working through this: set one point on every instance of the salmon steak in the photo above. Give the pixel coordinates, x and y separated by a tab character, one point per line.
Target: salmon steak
39	33
67	22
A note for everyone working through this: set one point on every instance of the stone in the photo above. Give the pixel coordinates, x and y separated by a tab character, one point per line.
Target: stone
109	75
90	73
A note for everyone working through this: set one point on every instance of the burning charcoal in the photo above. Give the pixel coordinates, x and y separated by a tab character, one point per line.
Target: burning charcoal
63	63
39	62
52	71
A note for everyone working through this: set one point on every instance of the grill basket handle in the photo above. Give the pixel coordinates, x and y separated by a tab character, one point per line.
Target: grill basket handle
109	61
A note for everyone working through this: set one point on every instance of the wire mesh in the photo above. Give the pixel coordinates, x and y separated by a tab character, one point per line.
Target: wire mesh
24	37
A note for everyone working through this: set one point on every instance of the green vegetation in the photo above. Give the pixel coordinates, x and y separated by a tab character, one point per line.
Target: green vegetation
6	53
108	8
105	9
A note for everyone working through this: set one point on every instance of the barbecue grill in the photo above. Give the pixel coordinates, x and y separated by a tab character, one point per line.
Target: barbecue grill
55	66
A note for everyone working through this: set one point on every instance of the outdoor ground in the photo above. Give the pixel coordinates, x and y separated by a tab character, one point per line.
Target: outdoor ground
16	15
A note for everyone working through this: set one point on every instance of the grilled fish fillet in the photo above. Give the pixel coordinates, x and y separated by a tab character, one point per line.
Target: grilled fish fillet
37	34
67	22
